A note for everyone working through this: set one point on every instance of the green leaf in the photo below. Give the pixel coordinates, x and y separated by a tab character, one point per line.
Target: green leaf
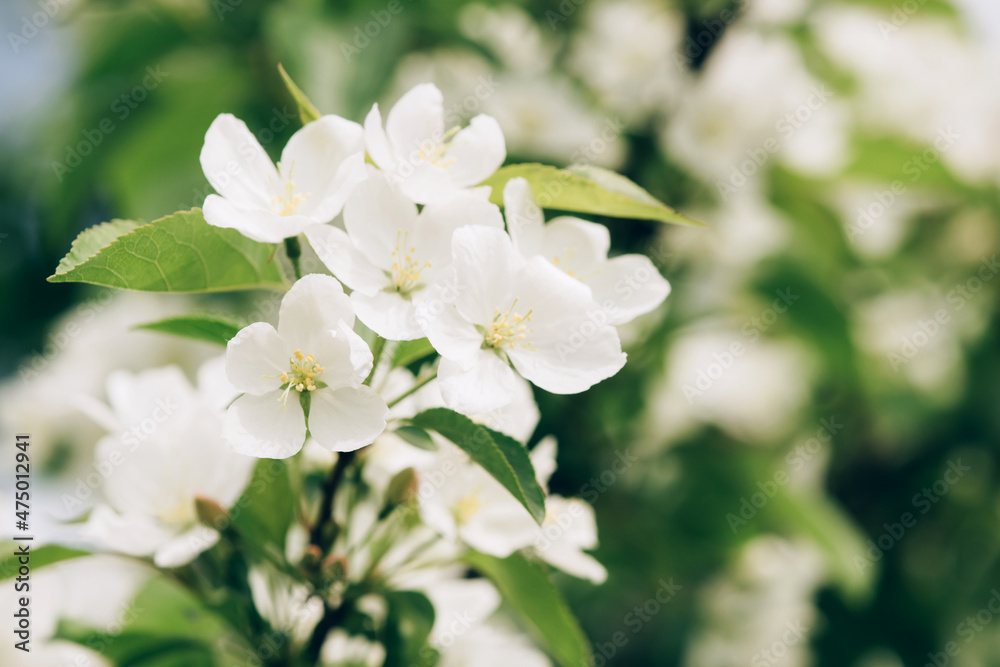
307	110
526	588
410	351
408	623
266	509
835	534
178	253
586	189
207	328
417	437
500	455
91	240
40	557
165	626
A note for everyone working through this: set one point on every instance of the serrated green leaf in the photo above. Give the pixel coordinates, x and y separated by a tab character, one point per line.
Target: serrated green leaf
586	189
500	455
409	619
526	588
179	253
208	328
410	351
417	437
40	557
307	110
91	240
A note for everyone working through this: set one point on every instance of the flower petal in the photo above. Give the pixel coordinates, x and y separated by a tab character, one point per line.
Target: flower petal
259	425
334	248
346	419
311	311
572	346
325	159
525	220
259	224
484	262
476	152
135	397
577	247
449	333
416	122
424	182
379	219
255	352
487	385
388	314
132	534
183	548
437	224
628	286
236	165
377	142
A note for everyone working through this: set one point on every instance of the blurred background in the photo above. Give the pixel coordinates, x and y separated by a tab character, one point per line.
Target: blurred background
803	447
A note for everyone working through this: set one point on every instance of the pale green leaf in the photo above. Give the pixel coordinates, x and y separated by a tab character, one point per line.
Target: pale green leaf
207	328
586	189
307	110
179	253
92	240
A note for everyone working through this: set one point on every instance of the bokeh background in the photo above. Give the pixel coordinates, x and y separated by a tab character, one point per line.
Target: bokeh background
804	444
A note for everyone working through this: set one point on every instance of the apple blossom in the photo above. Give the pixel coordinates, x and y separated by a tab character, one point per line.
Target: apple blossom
493	308
390	253
311	368
428	161
625	286
319	166
166	452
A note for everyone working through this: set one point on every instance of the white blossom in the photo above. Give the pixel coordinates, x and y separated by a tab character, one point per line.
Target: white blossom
319	166
429	161
315	356
390	253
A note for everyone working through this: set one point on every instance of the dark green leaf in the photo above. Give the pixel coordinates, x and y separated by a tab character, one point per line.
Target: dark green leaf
208	328
526	588
408	623
267	508
417	437
178	253
410	351
500	455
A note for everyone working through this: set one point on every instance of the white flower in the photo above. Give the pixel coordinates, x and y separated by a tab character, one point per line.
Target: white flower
168	450
494	644
319	166
313	357
390	253
493	308
569	526
429	161
625	287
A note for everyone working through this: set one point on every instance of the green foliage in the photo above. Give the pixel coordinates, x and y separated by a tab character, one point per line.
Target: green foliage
267	508
307	110
526	588
409	620
586	189
207	328
500	455
417	437
411	351
40	557
177	253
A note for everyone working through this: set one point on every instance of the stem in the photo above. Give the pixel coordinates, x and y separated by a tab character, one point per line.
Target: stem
332	617
294	251
378	346
320	536
411	390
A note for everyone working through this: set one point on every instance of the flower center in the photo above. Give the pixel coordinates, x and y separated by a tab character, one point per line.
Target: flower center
405	271
508	329
287	201
433	151
467	508
181	514
301	376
